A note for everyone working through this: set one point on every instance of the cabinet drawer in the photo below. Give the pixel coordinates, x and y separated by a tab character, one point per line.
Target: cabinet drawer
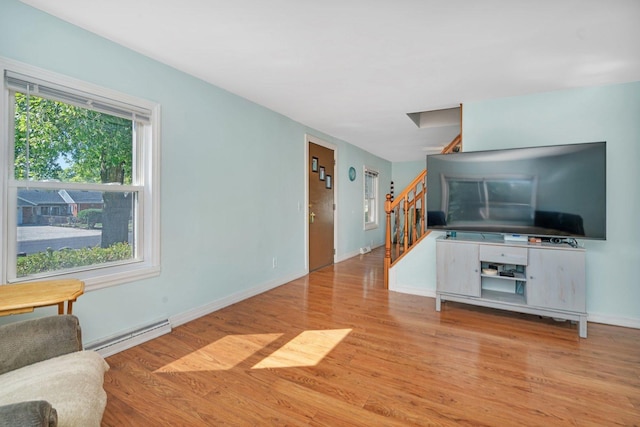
503	254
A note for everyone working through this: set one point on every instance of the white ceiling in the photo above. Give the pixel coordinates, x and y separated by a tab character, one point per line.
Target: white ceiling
354	68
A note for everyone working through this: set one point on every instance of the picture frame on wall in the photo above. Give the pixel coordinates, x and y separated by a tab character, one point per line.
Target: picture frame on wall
314	164
321	173
327	182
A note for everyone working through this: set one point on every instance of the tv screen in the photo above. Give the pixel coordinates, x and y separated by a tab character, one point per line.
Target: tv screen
554	191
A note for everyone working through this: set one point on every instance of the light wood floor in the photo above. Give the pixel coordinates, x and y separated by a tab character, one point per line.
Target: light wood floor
336	349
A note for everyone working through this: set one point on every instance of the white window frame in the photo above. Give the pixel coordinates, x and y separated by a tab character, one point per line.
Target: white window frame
147	161
368	171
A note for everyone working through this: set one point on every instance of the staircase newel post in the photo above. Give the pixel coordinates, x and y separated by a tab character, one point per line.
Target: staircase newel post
387	241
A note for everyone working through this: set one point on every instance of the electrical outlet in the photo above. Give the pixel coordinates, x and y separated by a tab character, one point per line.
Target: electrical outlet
275	262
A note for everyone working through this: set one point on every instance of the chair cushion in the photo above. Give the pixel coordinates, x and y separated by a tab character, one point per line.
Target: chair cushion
71	383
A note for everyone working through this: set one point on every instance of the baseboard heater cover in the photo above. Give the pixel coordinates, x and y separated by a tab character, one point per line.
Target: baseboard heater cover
125	341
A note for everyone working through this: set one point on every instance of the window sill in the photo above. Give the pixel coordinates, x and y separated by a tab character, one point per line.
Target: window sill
113	276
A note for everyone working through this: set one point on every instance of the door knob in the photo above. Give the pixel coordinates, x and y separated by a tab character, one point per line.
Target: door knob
312	216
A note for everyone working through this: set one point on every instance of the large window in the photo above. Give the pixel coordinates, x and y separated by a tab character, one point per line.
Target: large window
80	187
370	198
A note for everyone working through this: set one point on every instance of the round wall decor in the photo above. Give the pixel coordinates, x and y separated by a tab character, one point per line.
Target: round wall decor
352	173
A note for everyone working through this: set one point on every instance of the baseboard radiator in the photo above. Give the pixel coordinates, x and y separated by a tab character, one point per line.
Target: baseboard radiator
122	342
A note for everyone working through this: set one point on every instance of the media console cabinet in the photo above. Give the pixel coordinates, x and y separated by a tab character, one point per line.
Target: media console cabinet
543	279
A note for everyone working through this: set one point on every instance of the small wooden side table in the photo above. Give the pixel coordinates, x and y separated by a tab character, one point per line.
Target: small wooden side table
24	297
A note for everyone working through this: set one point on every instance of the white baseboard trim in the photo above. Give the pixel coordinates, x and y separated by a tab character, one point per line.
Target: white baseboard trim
188	316
351	254
606	319
346	256
413	291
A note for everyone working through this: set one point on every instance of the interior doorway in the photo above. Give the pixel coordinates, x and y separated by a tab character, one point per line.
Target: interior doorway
320	221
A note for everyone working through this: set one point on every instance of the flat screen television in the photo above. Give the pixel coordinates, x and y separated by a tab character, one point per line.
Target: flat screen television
554	191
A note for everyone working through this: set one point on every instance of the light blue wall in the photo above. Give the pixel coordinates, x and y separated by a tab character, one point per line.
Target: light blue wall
405	172
351	200
607	113
232	179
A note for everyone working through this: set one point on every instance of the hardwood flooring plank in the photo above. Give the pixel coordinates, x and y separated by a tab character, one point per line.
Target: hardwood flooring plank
333	411
122	414
254	407
163	401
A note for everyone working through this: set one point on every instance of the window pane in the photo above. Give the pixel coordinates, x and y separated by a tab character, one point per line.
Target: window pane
63	142
370	195
367	214
369	211
70	229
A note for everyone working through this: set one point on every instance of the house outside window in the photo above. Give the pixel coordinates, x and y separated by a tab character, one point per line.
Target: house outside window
81	172
370	198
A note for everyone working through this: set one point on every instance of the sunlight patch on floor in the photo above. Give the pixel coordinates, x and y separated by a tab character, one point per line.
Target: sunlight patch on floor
307	349
221	355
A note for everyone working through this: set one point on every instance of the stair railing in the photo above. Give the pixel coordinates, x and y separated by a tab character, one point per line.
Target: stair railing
409	214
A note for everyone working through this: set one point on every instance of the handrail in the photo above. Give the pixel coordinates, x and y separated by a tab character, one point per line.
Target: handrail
417	180
450	148
409	210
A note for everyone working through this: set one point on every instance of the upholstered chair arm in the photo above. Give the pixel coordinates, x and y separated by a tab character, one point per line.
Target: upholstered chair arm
29	341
